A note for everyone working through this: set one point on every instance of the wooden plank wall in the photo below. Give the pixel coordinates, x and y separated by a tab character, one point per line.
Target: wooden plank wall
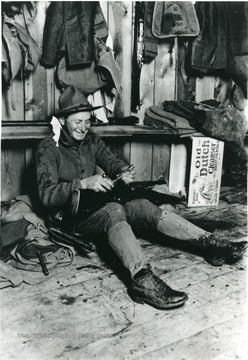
35	97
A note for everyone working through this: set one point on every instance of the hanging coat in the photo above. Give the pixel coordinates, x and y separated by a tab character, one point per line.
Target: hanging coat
70	28
223	40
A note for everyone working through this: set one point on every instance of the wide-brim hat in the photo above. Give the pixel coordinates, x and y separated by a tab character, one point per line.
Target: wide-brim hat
73	100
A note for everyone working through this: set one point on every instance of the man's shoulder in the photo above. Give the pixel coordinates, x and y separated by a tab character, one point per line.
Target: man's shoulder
47	142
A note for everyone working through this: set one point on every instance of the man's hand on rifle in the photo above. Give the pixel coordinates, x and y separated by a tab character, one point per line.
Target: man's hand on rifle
101	183
129	176
97	183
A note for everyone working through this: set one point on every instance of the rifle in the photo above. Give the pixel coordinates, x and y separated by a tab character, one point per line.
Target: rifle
85	202
138	50
60	236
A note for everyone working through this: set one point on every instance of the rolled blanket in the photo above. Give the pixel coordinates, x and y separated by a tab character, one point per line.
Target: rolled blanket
178	121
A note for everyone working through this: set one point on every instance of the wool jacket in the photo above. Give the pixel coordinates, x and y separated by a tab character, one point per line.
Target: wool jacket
223	35
70	28
60	169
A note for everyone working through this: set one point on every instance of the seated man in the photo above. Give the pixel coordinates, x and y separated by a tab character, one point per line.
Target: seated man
70	162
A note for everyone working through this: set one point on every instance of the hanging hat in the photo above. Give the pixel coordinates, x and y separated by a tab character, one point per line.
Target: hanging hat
73	100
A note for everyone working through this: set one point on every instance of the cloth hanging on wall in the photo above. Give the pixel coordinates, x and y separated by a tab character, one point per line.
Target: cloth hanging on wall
11	56
102	72
174	18
85	78
101	98
166	19
70	28
19	50
150	42
223	40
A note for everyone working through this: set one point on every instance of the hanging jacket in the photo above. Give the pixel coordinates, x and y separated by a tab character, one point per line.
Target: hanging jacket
223	40
223	35
209	50
70	28
19	50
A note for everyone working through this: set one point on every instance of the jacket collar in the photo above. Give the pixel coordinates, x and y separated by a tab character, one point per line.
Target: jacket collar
67	141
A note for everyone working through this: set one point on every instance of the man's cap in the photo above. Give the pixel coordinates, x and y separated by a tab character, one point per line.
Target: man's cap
73	100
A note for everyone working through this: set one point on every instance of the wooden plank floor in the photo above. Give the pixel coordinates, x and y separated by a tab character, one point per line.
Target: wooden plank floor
84	312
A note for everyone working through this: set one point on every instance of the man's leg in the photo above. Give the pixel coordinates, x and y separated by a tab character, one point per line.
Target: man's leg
142	214
145	286
110	221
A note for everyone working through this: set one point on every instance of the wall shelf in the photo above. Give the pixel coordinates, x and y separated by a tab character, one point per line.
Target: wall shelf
36	131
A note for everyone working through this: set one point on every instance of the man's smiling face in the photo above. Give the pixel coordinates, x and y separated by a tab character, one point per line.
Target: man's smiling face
77	124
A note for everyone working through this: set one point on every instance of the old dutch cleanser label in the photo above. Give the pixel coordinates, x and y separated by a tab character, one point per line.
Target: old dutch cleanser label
205	172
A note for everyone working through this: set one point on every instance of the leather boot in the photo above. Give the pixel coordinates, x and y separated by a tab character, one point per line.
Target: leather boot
220	251
217	251
148	288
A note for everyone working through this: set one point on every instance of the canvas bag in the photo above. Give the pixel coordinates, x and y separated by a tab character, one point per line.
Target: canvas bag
174	18
102	72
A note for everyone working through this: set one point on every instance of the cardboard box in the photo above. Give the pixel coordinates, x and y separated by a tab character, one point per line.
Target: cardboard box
196	170
205	172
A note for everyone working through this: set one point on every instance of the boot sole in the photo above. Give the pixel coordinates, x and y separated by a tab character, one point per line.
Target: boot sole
215	261
235	255
141	300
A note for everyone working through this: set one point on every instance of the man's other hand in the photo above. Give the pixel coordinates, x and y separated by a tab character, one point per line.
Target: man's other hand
97	183
129	176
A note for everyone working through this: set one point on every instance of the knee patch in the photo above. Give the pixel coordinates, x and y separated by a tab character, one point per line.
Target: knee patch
115	214
141	213
138	205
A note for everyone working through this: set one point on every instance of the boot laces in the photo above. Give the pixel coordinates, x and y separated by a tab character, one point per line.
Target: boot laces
162	286
159	283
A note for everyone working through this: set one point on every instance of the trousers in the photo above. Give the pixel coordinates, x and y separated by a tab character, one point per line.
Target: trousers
118	223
